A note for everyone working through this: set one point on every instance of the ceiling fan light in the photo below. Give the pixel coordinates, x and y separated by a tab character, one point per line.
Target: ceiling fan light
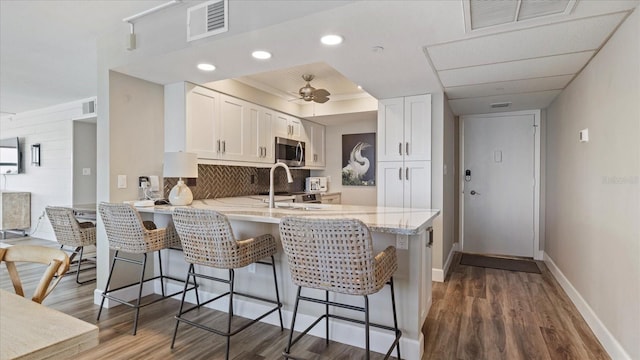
206	67
331	39
261	55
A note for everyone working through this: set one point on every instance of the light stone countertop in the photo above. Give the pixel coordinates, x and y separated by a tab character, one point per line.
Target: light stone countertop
254	209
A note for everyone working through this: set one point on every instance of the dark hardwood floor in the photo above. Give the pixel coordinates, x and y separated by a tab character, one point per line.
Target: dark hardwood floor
477	313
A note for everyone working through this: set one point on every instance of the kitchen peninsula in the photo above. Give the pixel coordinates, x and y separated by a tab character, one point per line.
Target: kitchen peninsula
408	229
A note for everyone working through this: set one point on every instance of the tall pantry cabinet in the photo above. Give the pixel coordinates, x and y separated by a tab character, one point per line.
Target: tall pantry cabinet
404	152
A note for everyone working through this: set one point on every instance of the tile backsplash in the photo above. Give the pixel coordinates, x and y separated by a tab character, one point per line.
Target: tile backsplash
216	181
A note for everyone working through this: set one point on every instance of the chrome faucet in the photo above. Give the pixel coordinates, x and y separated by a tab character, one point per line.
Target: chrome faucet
289	180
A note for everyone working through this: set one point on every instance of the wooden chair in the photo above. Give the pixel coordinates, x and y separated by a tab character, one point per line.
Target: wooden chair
70	232
57	261
337	255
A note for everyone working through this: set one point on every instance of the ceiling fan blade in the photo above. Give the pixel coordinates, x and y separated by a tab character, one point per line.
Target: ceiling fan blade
320	99
321	93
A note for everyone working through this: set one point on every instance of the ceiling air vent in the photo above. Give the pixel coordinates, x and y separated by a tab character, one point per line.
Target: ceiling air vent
207	19
500	105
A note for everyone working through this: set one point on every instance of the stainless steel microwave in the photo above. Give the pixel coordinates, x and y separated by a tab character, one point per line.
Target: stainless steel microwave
290	152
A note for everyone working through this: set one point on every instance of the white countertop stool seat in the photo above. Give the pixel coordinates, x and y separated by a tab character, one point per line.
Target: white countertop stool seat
208	240
127	232
337	255
77	235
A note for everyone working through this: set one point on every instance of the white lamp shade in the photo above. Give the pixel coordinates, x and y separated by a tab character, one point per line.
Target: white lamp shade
180	165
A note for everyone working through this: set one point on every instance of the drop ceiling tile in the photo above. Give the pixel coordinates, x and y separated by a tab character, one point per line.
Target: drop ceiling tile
559	38
516	70
482	105
509	87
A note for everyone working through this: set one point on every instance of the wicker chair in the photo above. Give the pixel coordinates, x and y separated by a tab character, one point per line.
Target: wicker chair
337	255
57	261
127	232
70	232
207	240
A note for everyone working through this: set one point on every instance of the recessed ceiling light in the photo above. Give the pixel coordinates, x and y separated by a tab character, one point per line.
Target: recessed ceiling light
359	87
331	39
206	67
261	54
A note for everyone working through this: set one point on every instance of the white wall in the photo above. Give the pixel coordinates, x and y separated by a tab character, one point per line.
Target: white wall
593	191
51	183
351	195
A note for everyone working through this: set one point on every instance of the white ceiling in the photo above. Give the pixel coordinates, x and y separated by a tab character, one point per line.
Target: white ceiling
426	49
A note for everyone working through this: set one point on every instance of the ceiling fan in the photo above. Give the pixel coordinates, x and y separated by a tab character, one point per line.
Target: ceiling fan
309	93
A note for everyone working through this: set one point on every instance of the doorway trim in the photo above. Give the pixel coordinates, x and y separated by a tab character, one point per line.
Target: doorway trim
539	124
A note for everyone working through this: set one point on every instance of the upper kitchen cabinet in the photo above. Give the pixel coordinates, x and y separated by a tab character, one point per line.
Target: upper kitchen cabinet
191	119
315	147
233	142
404	128
288	127
261	141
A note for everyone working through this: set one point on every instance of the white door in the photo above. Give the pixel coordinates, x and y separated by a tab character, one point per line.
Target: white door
499	185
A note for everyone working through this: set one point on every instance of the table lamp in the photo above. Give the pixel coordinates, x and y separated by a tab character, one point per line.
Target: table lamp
180	165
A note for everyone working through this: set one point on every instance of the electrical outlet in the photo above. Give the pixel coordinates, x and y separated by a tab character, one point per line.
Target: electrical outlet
251	268
402	242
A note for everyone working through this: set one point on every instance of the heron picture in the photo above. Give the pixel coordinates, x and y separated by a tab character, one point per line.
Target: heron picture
359	159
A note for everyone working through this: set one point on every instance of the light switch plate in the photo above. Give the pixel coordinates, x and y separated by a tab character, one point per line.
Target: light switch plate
122	181
402	242
86	171
584	135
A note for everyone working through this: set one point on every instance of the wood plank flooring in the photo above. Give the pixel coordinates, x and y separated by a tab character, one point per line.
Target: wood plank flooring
476	314
481	313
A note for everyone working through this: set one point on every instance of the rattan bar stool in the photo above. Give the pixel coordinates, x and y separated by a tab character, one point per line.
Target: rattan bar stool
70	232
337	255
127	232
208	240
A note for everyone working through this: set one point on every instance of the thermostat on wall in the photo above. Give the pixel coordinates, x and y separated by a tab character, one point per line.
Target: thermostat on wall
584	135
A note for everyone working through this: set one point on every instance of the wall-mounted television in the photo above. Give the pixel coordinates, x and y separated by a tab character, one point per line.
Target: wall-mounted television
10	156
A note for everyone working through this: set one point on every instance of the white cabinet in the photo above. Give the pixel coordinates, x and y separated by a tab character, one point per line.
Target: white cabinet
404	152
288	127
261	142
404	128
315	147
404	184
201	122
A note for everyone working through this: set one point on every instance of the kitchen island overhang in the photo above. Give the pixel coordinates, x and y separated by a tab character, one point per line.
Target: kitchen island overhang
250	216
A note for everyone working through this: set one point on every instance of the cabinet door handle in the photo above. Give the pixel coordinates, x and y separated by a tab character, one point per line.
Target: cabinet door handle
224	146
264	150
218	146
261	151
406	151
400	174
407	174
400	148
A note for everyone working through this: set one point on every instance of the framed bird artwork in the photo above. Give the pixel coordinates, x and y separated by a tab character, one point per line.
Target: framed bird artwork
359	159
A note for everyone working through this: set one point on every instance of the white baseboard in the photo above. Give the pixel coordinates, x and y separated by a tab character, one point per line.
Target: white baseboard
344	332
440	274
608	341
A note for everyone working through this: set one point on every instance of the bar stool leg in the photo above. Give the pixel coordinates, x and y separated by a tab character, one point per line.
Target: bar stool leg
293	321
231	278
275	281
395	317
81	250
106	288
326	311
366	324
161	275
135	320
190	272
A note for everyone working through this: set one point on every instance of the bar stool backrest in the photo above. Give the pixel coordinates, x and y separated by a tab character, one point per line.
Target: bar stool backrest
126	231
67	228
329	254
207	238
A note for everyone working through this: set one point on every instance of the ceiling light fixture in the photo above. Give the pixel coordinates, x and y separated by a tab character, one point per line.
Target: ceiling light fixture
206	67
359	87
331	39
261	55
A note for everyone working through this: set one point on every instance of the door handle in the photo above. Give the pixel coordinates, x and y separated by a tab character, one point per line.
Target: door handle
400	174
406	175
224	146
473	192
400	148
406	151
218	145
